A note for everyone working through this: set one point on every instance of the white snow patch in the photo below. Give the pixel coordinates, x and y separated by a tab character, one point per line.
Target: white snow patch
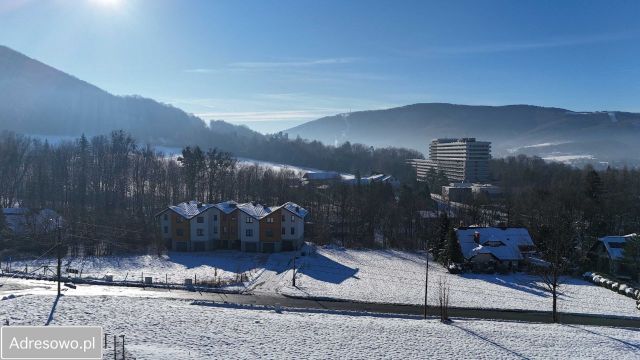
174	267
390	276
175	329
568	158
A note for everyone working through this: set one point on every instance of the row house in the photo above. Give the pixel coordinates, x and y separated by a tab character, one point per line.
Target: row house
194	226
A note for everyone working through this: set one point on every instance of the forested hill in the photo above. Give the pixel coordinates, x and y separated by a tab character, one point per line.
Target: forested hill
40	100
532	130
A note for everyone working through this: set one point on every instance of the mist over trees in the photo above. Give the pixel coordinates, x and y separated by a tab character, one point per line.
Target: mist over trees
40	100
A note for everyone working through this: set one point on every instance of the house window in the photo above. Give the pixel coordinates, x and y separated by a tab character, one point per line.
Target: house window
215	217
179	232
200	219
249	232
293	218
269	220
200	232
166	229
293	231
178	219
166	217
269	232
249	220
233	218
283	218
224	229
284	231
215	229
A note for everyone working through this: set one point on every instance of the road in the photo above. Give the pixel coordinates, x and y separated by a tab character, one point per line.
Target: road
16	286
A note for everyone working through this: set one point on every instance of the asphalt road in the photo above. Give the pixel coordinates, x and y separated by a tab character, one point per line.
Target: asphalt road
276	300
399	309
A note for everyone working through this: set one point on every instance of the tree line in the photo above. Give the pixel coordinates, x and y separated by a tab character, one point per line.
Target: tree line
112	182
116	182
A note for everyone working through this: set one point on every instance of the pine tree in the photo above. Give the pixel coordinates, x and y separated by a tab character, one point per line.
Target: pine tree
454	252
593	185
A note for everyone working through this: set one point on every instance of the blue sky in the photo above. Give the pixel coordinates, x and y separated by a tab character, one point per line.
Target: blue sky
272	64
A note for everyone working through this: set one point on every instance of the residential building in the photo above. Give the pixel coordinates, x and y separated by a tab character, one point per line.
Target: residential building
607	255
494	247
457	192
465	192
193	226
24	221
461	160
321	178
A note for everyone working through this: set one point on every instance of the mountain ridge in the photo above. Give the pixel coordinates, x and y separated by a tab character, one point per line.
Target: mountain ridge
508	127
41	99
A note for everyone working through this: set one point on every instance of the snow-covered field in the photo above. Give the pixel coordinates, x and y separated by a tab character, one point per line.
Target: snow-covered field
174	267
363	275
398	277
178	329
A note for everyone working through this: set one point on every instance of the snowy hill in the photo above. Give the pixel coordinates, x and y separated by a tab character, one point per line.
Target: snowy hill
513	129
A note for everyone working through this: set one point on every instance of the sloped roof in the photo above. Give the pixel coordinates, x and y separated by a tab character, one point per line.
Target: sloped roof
190	209
17	219
296	209
503	243
615	245
321	175
227	207
257	211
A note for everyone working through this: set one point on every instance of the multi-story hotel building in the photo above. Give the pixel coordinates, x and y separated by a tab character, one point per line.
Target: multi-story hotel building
461	160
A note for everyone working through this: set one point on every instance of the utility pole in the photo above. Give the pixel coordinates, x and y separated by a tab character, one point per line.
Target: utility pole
59	247
123	356
426	278
293	279
115	348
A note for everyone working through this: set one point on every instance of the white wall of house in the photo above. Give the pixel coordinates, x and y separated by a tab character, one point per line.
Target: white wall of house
199	230
244	225
291	220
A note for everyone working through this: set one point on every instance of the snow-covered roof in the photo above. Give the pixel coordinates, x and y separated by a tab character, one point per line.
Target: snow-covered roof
296	209
435	214
370	179
615	245
18	219
190	209
257	211
227	207
321	175
503	243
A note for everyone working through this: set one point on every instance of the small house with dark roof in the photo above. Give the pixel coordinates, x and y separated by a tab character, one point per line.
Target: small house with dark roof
607	255
485	247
